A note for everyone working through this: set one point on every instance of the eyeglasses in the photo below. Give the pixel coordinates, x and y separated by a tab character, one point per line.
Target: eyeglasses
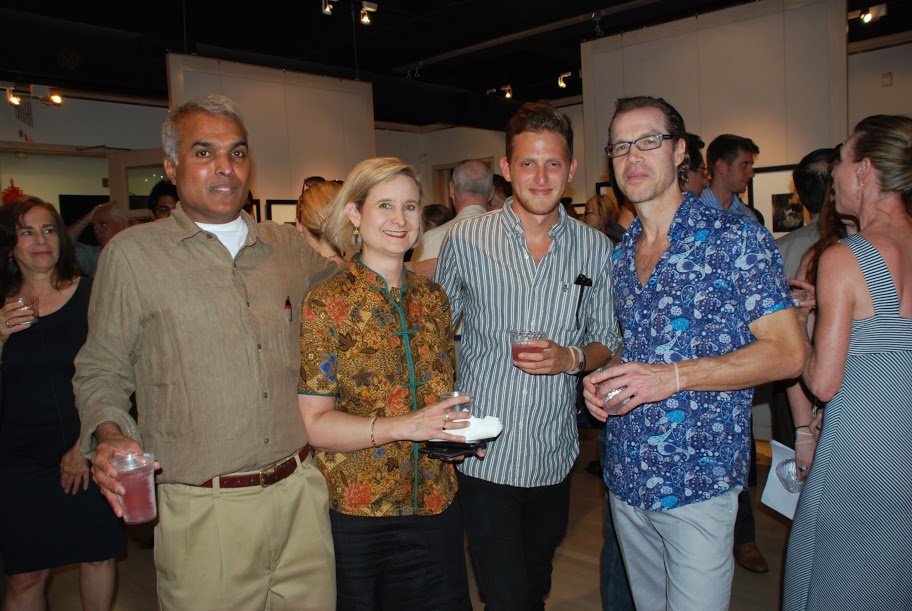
646	143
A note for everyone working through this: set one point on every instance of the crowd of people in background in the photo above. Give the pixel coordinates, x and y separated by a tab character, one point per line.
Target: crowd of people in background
287	378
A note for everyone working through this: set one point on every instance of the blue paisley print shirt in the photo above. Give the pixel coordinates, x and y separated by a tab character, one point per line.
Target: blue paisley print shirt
720	273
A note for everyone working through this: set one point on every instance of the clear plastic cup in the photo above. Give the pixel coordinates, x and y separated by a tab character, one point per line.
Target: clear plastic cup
462	407
136	474
28	303
787	471
519	342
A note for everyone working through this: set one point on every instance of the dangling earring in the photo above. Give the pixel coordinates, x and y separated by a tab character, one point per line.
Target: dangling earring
858	190
357	231
12	266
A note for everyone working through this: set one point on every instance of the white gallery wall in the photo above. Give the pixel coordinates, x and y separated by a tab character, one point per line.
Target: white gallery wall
772	70
86	123
880	82
48	176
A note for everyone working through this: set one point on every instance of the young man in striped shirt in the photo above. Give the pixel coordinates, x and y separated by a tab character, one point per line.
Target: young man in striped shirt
526	267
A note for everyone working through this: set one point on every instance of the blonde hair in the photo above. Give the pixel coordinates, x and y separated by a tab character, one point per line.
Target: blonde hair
314	206
338	229
887	141
606	205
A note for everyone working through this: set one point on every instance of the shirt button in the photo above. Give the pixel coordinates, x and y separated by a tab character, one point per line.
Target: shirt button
265	395
267	440
259	346
209	235
525	392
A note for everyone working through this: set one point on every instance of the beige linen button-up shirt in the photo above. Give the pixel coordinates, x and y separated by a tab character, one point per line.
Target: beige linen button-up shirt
205	341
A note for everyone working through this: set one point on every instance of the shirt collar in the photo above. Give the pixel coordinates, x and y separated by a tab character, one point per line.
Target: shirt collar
374	280
185	228
677	223
514	226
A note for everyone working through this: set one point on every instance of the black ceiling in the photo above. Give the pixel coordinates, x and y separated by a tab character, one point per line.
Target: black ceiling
429	61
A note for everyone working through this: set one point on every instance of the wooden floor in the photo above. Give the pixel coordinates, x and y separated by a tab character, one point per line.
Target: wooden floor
576	571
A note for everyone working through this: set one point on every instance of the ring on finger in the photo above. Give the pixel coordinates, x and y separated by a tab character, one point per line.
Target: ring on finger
803	469
8	326
446	418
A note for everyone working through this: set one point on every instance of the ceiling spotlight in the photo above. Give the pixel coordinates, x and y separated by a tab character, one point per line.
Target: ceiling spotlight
12	98
327	7
366	9
872	14
44	93
508	91
560	80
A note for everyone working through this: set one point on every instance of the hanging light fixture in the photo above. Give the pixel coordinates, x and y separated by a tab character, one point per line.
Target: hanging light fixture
560	80
327	7
366	9
12	98
508	91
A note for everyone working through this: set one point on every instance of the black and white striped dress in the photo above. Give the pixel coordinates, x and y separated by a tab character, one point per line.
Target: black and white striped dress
851	542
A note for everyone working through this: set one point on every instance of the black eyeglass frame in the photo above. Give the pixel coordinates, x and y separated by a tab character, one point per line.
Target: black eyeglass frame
661	137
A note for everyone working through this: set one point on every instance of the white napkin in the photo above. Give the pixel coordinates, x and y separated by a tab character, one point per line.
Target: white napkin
775	495
478	429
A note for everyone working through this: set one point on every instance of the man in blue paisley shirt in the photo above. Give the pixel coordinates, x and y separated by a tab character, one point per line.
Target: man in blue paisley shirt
706	313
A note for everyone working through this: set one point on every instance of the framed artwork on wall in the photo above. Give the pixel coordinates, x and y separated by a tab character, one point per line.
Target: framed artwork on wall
255	210
281	210
603	187
772	193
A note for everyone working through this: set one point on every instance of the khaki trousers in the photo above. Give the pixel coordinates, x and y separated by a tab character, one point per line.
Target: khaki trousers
254	548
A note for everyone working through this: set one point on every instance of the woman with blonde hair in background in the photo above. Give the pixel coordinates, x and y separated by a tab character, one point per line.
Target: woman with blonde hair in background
313	209
602	213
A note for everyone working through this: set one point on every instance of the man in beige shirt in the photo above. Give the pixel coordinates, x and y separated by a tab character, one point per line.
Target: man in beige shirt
199	314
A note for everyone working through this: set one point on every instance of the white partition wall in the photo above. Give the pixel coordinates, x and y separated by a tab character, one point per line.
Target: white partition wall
299	125
772	70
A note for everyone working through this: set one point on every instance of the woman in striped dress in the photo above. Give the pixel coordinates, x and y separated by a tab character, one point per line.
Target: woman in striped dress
849	547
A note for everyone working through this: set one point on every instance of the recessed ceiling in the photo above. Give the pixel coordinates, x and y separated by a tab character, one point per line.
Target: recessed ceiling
430	62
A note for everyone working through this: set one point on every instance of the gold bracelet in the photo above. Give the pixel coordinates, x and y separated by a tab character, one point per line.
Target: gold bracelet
373	420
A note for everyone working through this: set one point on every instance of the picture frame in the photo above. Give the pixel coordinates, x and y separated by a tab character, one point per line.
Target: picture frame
772	193
256	211
602	188
282	210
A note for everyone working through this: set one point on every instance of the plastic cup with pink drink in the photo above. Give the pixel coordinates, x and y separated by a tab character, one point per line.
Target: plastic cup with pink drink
519	342
136	473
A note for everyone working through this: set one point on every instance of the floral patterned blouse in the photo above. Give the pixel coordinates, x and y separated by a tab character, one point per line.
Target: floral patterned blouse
720	274
380	352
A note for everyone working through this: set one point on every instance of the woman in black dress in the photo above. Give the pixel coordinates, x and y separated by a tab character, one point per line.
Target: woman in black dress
51	514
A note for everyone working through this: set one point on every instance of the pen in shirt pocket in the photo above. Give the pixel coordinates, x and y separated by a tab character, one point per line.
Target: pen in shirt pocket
288	308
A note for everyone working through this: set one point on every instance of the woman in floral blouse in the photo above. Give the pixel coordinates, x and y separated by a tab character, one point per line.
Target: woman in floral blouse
376	353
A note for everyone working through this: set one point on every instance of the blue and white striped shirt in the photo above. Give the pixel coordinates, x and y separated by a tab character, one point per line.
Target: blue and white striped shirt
493	282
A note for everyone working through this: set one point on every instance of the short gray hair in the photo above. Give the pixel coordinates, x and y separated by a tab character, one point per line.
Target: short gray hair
213	104
473	176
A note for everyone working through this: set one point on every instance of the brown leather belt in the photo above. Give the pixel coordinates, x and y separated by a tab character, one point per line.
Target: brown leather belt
264	477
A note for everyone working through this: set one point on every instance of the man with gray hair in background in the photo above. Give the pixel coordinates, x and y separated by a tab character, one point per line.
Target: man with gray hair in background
471	188
199	314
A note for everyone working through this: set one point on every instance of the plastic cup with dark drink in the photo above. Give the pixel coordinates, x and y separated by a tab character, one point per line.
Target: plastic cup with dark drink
519	342
136	473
